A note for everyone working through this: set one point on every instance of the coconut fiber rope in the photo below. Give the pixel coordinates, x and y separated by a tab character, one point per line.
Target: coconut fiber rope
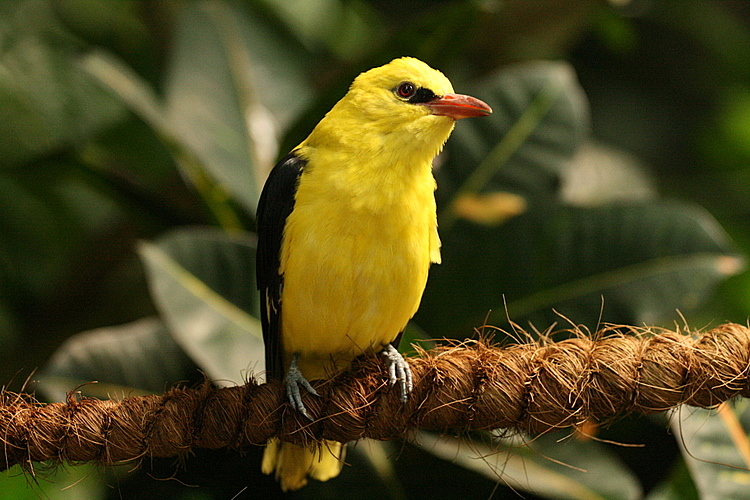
534	387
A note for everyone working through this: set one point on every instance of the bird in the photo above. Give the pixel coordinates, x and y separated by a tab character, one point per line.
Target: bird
347	231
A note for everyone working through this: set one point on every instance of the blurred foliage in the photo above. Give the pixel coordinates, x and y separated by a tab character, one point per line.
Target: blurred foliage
611	184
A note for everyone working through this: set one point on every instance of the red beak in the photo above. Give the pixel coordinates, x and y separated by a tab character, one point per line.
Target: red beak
458	106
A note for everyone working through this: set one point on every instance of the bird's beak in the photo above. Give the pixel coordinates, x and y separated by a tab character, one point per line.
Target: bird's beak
458	106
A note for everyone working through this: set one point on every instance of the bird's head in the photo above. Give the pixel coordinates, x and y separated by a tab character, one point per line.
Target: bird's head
404	108
408	94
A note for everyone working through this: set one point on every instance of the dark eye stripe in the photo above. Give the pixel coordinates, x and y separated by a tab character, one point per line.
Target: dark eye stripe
422	95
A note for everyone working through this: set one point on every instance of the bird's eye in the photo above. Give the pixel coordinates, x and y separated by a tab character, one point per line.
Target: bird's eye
406	90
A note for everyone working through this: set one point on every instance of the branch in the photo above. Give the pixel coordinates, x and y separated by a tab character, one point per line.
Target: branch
533	387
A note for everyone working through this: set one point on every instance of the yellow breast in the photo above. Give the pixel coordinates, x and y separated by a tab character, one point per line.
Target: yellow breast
355	265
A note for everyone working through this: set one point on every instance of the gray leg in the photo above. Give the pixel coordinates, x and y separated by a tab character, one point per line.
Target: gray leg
293	381
398	370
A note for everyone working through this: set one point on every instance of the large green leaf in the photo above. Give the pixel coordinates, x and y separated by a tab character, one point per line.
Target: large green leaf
47	212
622	263
140	356
547	466
520	252
348	29
231	86
229	89
631	263
539	119
716	448
81	482
46	100
202	281
678	486
132	90
138	96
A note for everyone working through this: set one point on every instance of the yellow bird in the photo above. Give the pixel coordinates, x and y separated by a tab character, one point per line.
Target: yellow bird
347	230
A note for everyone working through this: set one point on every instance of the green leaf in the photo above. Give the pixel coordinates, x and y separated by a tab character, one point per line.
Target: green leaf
539	119
140	355
141	99
47	212
716	448
511	247
547	466
79	482
642	261
678	486
232	85
348	29
230	88
202	281
46	100
132	90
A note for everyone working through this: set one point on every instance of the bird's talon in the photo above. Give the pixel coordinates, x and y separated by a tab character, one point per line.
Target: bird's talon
295	379
398	371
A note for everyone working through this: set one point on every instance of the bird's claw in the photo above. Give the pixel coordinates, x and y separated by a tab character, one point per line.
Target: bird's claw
294	379
398	371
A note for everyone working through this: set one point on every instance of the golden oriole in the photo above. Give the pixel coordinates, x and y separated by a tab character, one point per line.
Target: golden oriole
347	230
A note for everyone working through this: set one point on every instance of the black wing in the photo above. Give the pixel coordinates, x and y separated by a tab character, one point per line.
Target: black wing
275	204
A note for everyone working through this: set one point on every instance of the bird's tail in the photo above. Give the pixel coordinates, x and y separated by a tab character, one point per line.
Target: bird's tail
293	464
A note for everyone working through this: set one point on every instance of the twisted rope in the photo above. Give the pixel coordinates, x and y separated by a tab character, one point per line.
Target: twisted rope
533	387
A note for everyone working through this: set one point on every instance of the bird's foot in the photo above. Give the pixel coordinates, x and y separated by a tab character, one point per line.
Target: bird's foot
294	379
398	371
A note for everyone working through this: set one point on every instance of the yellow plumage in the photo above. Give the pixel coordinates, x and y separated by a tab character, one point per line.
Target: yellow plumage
359	241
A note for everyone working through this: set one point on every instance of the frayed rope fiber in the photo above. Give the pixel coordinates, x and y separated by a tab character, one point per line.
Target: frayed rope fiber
533	387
